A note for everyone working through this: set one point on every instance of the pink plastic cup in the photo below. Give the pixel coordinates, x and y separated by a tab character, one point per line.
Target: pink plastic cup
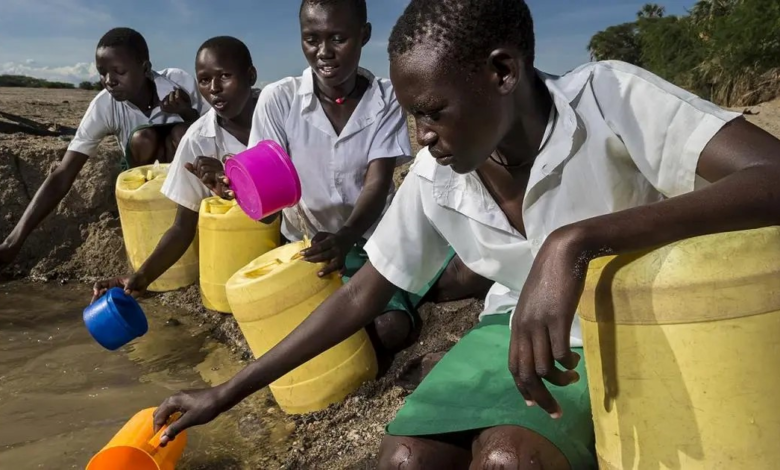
263	179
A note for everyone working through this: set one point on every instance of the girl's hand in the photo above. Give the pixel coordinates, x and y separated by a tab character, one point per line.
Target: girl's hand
330	248
211	173
134	285
176	102
197	407
543	318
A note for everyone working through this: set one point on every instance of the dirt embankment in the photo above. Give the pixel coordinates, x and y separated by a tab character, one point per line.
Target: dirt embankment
82	241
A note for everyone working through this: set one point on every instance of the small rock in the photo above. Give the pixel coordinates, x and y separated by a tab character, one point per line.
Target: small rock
172	322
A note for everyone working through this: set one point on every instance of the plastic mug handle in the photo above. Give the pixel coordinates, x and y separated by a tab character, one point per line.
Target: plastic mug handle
153	445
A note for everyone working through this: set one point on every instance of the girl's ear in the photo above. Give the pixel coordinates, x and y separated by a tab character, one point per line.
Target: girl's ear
252	75
505	70
148	69
366	34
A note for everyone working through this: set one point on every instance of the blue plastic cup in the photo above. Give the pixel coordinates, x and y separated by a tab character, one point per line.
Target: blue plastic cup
115	319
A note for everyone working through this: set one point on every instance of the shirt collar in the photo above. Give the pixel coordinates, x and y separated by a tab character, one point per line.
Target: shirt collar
209	124
370	106
467	195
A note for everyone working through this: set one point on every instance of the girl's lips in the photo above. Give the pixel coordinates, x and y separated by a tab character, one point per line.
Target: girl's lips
327	70
445	161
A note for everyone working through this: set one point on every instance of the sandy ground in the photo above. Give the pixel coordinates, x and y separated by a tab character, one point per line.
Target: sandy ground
82	241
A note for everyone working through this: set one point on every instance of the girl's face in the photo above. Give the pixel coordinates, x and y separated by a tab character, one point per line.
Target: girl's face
460	117
223	83
332	38
121	74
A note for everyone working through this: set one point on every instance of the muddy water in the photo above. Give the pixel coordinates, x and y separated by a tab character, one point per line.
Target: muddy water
62	396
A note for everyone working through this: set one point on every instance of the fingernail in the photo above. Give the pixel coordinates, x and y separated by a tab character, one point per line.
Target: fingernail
530	403
556	415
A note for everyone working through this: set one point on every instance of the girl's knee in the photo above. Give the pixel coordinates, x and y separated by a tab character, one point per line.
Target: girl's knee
177	133
516	448
412	453
395	453
144	146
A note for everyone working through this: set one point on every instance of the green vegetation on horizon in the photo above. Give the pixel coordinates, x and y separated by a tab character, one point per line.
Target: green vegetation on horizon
727	51
22	81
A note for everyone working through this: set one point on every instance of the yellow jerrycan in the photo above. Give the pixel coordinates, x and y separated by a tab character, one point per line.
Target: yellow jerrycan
146	214
229	240
681	350
274	294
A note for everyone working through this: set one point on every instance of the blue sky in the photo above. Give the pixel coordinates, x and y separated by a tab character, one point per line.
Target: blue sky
56	39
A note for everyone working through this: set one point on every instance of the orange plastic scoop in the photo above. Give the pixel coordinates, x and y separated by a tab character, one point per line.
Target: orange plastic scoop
137	447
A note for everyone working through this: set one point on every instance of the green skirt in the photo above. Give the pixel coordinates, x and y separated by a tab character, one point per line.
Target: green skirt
402	300
471	389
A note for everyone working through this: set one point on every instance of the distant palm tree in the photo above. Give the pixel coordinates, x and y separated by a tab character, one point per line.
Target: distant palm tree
705	11
651	10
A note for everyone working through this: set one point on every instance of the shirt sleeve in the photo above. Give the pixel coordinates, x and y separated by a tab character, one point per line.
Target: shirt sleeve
181	186
94	127
664	127
406	248
269	117
392	136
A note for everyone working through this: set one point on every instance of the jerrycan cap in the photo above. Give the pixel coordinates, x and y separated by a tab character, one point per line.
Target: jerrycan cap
217	205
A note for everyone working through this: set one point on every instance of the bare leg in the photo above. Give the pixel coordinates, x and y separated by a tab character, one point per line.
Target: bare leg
413	453
458	282
515	448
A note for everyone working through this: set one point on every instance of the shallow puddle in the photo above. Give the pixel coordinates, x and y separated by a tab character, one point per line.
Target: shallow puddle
62	396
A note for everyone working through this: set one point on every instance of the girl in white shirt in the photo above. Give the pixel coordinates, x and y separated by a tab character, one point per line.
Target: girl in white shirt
528	177
147	111
346	133
226	75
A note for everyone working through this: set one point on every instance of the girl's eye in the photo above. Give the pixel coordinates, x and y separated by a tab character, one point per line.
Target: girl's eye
339	39
226	76
310	41
432	116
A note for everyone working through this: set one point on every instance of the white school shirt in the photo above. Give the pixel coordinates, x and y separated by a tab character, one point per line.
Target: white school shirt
204	138
623	137
331	167
107	116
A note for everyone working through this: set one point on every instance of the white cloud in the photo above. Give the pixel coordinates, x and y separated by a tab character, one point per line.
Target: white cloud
80	72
